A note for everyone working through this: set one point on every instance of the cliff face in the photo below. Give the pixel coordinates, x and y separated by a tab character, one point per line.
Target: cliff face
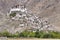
49	9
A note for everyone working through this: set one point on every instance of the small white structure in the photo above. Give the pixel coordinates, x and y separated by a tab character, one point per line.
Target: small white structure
24	15
18	9
13	18
21	25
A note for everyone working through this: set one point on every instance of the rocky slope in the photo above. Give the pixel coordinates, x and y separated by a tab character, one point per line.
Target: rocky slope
47	9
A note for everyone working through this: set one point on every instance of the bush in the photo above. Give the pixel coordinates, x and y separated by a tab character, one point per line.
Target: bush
12	14
37	34
55	34
31	34
27	34
47	35
5	34
24	34
15	35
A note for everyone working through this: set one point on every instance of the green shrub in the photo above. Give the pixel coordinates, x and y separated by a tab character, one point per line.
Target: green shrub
47	35
55	34
5	33
12	14
15	35
37	34
31	34
24	34
40	34
51	35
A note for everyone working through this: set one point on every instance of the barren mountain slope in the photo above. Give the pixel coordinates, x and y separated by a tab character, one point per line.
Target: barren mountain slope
49	9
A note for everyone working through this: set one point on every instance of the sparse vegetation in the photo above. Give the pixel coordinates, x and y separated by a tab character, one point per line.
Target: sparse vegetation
12	14
31	34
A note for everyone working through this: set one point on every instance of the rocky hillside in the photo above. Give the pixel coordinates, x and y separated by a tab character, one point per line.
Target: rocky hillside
46	9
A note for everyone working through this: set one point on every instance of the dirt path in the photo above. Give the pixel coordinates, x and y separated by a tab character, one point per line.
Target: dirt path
33	39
